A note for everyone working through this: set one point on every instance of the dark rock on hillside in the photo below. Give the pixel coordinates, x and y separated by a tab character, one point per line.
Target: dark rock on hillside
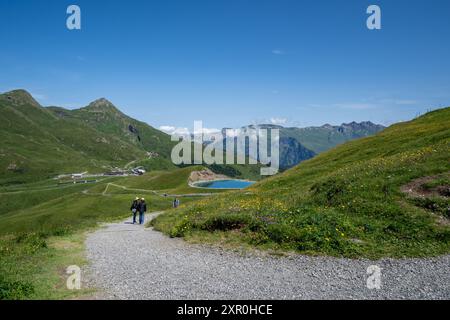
133	129
292	153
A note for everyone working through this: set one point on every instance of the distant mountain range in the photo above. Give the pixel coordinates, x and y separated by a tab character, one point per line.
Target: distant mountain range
320	139
300	144
41	142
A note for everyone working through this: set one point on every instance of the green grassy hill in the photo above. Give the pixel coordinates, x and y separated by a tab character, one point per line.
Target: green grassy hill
42	232
38	143
42	225
346	201
48	207
104	117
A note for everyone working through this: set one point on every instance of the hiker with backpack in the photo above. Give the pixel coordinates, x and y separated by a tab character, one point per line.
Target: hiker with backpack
134	208
142	210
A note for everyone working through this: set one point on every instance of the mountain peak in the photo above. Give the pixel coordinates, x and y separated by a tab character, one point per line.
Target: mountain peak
361	125
103	105
20	97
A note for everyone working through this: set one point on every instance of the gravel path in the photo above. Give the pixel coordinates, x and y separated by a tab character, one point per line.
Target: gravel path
131	262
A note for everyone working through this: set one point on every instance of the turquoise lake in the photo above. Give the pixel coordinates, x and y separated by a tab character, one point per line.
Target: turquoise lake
225	184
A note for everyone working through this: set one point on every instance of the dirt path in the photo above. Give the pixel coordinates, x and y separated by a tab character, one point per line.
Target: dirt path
165	195
131	262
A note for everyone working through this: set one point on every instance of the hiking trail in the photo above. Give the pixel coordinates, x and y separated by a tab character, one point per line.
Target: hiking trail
132	262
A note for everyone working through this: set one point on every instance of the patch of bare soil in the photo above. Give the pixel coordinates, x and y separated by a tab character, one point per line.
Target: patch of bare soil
417	189
426	190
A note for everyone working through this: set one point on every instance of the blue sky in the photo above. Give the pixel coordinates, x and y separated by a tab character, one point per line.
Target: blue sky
232	62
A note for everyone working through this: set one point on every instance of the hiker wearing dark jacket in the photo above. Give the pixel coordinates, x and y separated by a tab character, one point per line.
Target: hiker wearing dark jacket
142	210
176	203
134	208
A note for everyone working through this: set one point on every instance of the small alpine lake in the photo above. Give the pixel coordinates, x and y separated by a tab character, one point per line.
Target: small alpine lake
223	184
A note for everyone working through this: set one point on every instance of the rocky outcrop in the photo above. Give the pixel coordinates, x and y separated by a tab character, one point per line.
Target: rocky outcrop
152	154
206	175
292	153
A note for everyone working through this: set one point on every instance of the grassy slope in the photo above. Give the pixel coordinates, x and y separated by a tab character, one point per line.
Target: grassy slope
38	143
169	182
344	202
106	118
52	209
33	267
162	181
42	226
42	240
41	144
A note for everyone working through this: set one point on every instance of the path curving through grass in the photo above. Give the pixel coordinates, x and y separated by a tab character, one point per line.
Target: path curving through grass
131	262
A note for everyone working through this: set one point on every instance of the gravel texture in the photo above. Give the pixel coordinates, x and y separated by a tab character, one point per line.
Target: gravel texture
131	262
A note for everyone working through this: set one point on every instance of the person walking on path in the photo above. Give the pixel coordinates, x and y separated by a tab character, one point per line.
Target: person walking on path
134	208
142	210
176	203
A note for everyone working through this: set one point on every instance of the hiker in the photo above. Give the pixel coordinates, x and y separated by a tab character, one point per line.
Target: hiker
142	210
134	208
176	203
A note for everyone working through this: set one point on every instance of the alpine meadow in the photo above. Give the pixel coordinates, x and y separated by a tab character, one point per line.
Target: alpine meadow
226	156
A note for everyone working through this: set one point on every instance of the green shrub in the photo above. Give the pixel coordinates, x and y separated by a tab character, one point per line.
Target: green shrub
437	205
224	222
15	290
180	229
32	241
282	233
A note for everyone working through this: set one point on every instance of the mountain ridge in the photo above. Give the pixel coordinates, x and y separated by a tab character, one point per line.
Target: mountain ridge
41	142
300	144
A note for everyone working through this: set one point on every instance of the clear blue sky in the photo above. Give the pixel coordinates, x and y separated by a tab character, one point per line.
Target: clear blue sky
232	62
